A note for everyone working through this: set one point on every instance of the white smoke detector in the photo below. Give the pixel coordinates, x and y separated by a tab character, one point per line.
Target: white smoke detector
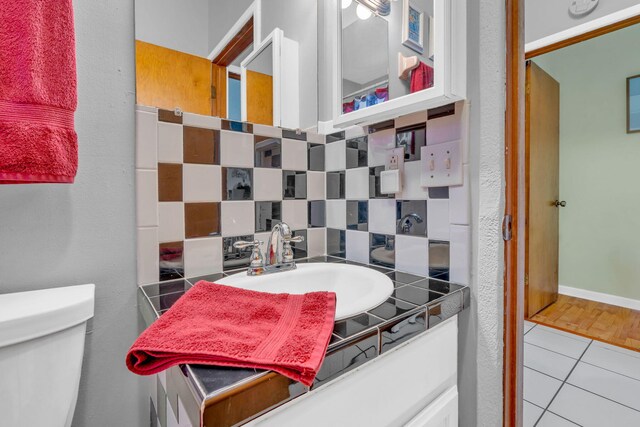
580	8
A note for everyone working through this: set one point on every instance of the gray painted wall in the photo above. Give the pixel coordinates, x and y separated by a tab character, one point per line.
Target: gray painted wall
546	17
181	25
222	16
56	235
298	20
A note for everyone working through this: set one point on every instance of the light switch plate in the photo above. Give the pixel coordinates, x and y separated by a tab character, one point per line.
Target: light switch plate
441	165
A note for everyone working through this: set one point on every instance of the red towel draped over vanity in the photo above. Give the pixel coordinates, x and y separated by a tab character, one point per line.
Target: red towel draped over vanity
221	325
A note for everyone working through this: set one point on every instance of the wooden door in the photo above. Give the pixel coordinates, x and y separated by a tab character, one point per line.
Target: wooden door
542	138
219	91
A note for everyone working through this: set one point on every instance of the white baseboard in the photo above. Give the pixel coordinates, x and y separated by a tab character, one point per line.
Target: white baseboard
600	297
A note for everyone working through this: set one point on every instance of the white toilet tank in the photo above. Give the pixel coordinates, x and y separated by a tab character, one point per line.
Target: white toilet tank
41	348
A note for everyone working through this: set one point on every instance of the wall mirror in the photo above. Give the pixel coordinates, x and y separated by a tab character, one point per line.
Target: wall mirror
190	56
397	57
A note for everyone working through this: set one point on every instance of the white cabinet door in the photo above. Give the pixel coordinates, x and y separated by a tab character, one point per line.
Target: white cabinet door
442	412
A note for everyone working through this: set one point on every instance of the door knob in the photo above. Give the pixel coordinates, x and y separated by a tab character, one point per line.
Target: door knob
560	204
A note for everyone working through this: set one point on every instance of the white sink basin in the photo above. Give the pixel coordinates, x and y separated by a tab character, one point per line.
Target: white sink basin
357	288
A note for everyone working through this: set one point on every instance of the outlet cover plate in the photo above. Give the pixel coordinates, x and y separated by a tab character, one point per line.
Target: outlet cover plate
441	165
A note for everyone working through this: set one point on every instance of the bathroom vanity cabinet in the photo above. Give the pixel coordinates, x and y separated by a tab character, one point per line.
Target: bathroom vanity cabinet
393	365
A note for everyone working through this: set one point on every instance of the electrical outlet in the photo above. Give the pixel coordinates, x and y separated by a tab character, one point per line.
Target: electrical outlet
393	162
391	183
395	159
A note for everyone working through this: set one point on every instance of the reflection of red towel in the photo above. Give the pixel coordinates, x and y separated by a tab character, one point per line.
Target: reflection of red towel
421	77
38	142
221	325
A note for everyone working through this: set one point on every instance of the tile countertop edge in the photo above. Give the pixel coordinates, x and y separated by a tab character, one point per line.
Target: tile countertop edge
434	312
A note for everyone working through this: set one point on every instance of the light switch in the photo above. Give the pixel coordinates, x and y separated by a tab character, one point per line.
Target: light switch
441	165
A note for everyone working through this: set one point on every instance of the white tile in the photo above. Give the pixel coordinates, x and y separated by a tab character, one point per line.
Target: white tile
460	201
316	186
460	254
549	419
378	144
357	246
146	108
312	136
267	184
337	214
353	132
616	359
611	385
335	156
171	222
531	414
587	409
357	184
548	362
382	216
236	149
539	388
445	129
411	188
201	121
202	256
438	219
294	155
465	137
316	241
146	198
264	130
411	119
528	326
146	140
551	339
169	143
201	183
294	213
412	255
238	218
147	255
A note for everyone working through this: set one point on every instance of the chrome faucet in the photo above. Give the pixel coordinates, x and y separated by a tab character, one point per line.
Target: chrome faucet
405	224
279	251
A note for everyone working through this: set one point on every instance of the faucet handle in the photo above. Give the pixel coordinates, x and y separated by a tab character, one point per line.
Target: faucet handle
243	244
257	259
296	239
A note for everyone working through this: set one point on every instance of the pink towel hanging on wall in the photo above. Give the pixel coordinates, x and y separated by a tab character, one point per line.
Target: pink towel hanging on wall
38	95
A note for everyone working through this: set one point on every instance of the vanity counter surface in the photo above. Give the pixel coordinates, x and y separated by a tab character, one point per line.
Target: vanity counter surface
416	305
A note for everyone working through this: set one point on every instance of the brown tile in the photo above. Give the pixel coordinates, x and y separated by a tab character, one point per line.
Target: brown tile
201	145
201	219
169	182
169	116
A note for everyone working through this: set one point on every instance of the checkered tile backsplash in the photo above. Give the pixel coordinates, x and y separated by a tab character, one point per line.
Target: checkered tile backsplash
204	183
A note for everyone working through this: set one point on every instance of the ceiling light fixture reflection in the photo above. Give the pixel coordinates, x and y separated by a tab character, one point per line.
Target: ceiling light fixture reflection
363	12
346	3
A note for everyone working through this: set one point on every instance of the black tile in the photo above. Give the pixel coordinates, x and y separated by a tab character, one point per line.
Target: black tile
337	136
404	278
439	263
317	214
392	308
417	296
448	307
208	277
382	270
374	184
356	155
331	259
345	356
336	242
171	260
294	185
294	134
438	192
316	157
237	183
354	325
445	110
268	214
170	287
436	285
411	217
169	116
234	258
402	329
335	185
357	215
299	248
382	250
164	302
376	127
412	138
466	297
268	152
237	126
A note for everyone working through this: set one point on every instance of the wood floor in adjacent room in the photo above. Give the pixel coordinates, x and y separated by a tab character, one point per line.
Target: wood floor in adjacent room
604	322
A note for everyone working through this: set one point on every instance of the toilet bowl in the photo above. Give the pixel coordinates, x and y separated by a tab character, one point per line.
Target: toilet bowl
41	347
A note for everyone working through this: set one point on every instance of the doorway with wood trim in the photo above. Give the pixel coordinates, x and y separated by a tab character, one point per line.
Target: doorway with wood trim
536	288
